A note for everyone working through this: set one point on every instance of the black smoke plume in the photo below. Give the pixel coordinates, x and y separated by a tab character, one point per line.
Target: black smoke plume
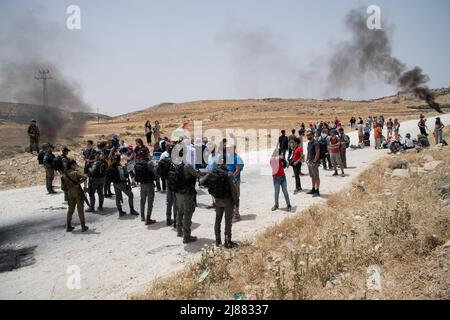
30	44
368	53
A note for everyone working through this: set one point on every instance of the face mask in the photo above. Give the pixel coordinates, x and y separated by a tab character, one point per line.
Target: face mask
324	135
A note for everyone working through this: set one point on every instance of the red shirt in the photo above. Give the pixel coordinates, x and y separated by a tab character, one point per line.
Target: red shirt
297	154
277	167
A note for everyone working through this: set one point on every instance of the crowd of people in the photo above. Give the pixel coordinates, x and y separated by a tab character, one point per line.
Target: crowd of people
174	168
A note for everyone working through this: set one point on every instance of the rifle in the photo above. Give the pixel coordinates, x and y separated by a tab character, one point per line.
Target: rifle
83	194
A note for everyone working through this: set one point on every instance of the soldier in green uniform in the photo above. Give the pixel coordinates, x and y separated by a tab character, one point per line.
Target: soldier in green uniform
34	134
65	162
73	179
97	175
49	169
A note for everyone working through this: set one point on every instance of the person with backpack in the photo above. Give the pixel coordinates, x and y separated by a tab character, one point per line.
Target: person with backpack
334	149
314	150
221	186
48	163
61	163
34	135
325	155
164	166
345	144
146	175
119	176
73	179
296	163
278	164
235	164
97	176
182	180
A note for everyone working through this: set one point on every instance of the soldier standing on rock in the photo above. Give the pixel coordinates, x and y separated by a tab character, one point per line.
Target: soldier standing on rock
34	134
49	169
73	180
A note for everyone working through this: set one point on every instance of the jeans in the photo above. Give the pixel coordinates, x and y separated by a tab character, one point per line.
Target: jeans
438	136
297	170
281	182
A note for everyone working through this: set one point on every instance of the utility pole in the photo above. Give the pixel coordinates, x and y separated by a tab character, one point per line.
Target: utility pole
44	75
98	117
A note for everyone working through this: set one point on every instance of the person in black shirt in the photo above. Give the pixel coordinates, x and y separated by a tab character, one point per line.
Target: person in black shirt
283	142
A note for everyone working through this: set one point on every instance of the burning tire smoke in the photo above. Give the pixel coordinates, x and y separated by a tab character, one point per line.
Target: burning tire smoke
34	44
370	52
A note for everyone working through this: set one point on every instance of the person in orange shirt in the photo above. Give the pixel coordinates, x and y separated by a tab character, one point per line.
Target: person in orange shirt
377	134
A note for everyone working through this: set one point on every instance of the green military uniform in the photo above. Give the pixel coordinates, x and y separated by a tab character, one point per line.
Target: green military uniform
185	202
49	171
65	160
73	179
34	134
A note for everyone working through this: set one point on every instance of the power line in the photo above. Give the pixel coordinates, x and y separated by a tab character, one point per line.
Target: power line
44	75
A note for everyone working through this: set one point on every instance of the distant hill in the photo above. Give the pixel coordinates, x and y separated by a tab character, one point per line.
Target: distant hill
22	113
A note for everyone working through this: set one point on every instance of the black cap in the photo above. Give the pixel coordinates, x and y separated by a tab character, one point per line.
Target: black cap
50	145
65	149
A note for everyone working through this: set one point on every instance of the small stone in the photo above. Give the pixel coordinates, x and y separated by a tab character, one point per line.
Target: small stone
428	158
3	173
401	173
430	166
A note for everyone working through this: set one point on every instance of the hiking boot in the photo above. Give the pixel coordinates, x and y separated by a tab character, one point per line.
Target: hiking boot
84	228
149	222
289	209
121	213
69	228
274	208
189	239
311	192
316	194
230	244
52	192
142	217
90	209
169	222
335	174
100	209
134	212
218	242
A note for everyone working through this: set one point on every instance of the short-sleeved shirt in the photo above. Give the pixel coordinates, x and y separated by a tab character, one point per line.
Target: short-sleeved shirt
297	154
277	167
312	146
233	163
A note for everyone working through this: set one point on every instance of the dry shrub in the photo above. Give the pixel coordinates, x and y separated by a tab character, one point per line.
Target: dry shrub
324	251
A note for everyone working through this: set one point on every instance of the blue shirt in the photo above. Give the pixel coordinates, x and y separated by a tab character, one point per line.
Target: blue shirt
233	163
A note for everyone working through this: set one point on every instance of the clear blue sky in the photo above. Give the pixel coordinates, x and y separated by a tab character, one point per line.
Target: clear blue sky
138	53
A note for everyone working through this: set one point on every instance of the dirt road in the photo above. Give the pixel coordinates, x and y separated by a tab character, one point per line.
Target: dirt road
117	258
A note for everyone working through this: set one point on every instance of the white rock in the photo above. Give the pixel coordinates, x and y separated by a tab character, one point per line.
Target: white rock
401	173
3	173
373	281
430	166
428	158
447	245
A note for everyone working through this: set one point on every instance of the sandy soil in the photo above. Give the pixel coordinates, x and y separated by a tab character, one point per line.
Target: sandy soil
118	258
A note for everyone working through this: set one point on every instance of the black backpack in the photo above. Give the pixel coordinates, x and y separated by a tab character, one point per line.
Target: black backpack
323	147
176	179
142	172
99	169
163	169
58	164
40	157
218	184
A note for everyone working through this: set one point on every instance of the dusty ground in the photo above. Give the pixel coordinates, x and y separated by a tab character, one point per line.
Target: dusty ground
118	258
